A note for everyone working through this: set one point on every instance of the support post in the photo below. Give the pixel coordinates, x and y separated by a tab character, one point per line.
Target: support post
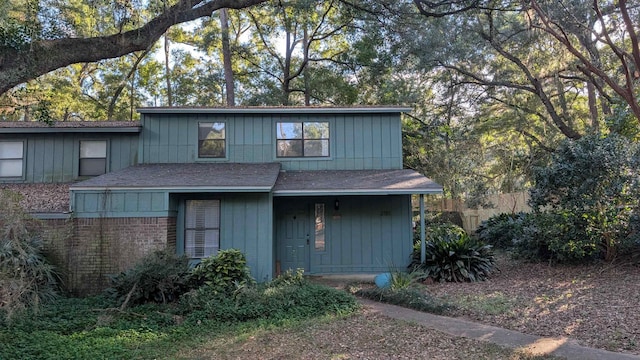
423	246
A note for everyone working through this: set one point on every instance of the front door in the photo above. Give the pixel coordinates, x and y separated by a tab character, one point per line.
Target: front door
293	234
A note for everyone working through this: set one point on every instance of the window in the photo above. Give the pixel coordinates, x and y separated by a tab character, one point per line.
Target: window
93	157
303	139
11	157
202	228
320	226
211	140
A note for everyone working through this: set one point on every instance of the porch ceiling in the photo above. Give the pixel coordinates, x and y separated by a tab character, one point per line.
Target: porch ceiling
221	177
354	182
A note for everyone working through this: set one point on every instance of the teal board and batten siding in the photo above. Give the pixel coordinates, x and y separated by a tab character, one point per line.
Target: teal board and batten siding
367	234
54	157
357	140
122	203
245	224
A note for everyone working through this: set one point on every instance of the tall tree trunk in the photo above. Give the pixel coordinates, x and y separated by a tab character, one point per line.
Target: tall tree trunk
120	88
226	59
307	86
167	70
593	108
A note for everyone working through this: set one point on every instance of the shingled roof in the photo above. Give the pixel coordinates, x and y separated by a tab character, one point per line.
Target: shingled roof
203	176
41	198
354	182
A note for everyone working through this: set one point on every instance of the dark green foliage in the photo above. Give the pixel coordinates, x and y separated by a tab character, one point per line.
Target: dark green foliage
452	255
92	328
554	236
27	279
410	297
267	301
160	277
223	272
500	230
588	196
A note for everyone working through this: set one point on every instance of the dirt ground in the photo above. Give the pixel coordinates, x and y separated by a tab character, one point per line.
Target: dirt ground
598	305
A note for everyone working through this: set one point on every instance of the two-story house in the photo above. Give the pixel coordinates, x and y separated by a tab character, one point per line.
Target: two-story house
321	189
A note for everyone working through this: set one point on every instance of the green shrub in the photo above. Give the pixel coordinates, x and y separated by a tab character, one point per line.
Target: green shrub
160	277
223	272
452	255
591	188
500	230
554	236
27	279
267	301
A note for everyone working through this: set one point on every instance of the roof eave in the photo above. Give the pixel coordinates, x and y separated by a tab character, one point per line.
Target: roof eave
359	192
93	130
177	189
275	110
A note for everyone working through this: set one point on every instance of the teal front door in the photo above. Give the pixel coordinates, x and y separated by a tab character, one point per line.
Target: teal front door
293	234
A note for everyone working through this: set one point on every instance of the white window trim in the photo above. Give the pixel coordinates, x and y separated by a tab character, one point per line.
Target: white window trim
22	160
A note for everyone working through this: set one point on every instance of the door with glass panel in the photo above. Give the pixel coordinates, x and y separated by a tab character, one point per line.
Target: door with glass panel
201	228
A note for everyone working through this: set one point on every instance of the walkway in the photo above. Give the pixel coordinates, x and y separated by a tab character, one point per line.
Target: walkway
561	346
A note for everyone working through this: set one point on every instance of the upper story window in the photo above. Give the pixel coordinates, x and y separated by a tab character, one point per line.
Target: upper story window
212	140
302	139
93	157
11	158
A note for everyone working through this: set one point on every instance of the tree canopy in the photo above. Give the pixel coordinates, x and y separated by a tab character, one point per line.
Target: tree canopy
34	41
495	86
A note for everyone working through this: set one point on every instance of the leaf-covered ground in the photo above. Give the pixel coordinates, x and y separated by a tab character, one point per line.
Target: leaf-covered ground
362	336
598	305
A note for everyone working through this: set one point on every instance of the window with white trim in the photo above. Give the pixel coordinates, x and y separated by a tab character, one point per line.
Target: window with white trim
302	139
212	140
11	159
93	157
202	228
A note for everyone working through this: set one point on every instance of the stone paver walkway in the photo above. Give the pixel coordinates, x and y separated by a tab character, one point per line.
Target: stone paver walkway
561	346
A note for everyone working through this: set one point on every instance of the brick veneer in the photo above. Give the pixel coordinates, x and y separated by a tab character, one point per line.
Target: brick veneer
87	250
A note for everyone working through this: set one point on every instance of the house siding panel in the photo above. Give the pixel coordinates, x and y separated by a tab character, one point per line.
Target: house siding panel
367	234
357	141
53	157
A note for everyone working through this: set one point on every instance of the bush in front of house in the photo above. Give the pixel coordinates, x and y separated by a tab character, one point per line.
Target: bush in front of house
224	272
286	297
27	279
159	277
501	230
453	256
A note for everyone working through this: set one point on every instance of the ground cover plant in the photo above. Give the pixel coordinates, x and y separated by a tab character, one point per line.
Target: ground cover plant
98	327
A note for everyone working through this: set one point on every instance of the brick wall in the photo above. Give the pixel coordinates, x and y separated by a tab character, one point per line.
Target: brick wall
87	250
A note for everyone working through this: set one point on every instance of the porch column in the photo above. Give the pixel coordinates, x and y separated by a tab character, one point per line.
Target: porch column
423	249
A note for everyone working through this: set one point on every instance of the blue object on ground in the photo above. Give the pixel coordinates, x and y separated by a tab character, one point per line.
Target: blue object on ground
383	280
